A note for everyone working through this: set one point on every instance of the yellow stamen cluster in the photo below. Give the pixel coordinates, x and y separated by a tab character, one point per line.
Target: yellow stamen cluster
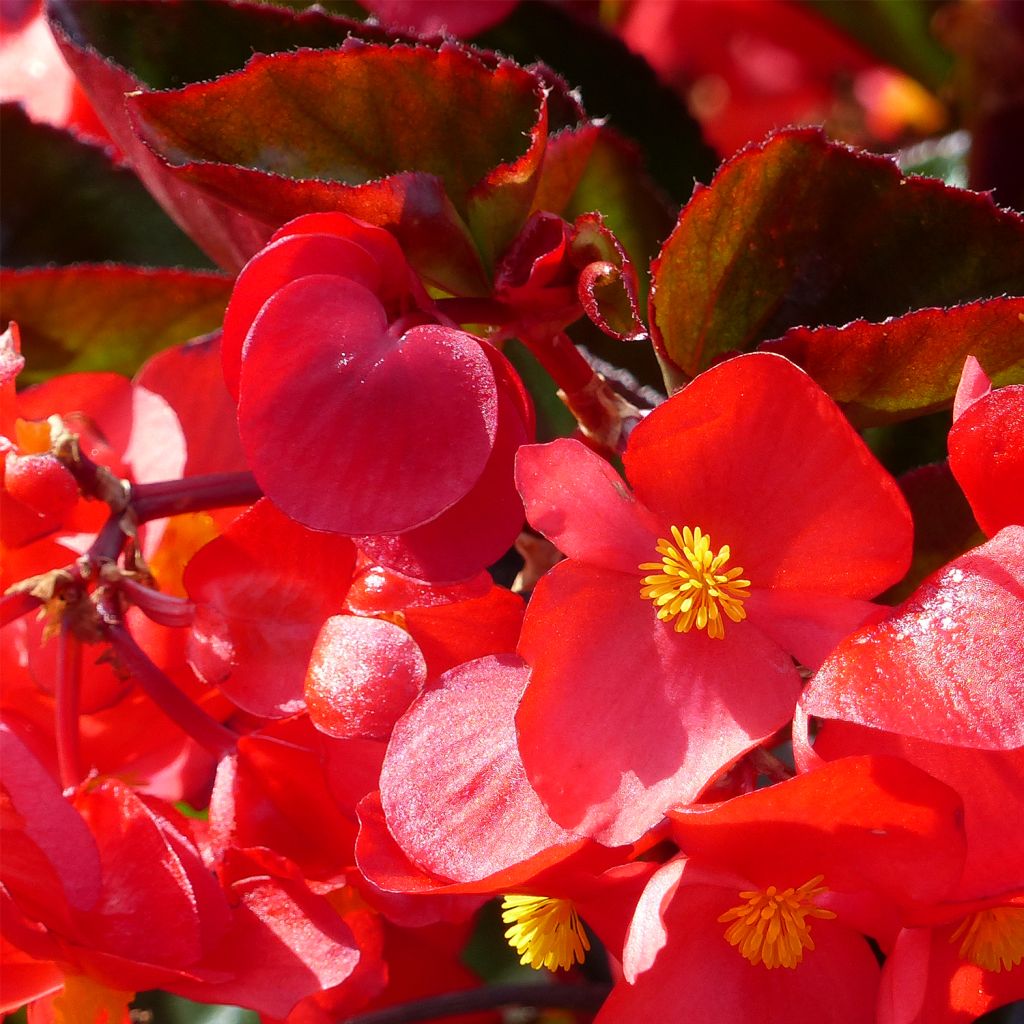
992	939
691	584
771	927
545	932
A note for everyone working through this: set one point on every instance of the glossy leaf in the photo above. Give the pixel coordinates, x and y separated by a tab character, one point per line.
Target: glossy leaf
156	43
225	234
65	201
373	131
911	364
106	317
802	232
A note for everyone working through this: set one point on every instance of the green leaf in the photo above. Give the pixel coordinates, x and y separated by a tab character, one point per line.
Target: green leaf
615	184
106	317
802	232
64	201
438	146
168	45
911	364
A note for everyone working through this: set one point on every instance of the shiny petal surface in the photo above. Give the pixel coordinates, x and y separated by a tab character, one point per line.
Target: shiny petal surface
347	428
946	666
453	788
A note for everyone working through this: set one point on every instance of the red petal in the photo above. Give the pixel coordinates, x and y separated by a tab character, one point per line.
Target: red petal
946	666
472	533
362	676
760	458
348	429
578	501
986	455
283	261
836	983
262	591
452	786
809	626
623	716
873	824
988	782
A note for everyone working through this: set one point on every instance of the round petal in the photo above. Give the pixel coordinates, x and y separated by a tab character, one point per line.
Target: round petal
474	532
362	676
280	263
452	785
623	716
351	430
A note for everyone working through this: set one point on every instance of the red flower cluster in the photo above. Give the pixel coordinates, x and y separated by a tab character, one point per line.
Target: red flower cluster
310	652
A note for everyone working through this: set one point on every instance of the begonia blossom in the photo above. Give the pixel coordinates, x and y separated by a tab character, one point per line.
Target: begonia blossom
757	527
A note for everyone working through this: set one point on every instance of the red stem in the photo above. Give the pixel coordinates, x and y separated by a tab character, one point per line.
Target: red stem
68	698
206	731
193	494
563	361
13	606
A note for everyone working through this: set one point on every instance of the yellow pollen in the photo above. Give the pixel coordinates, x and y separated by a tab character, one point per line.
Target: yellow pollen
993	939
545	932
771	927
692	585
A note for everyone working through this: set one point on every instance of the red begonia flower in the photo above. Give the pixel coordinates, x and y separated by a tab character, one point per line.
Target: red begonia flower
946	966
352	400
928	980
112	885
626	715
946	665
754	924
986	454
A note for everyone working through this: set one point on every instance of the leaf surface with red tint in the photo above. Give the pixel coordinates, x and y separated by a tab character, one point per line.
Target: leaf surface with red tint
909	365
799	231
373	131
106	317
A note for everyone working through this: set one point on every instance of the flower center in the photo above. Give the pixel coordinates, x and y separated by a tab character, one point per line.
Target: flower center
993	939
692	585
771	927
545	932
